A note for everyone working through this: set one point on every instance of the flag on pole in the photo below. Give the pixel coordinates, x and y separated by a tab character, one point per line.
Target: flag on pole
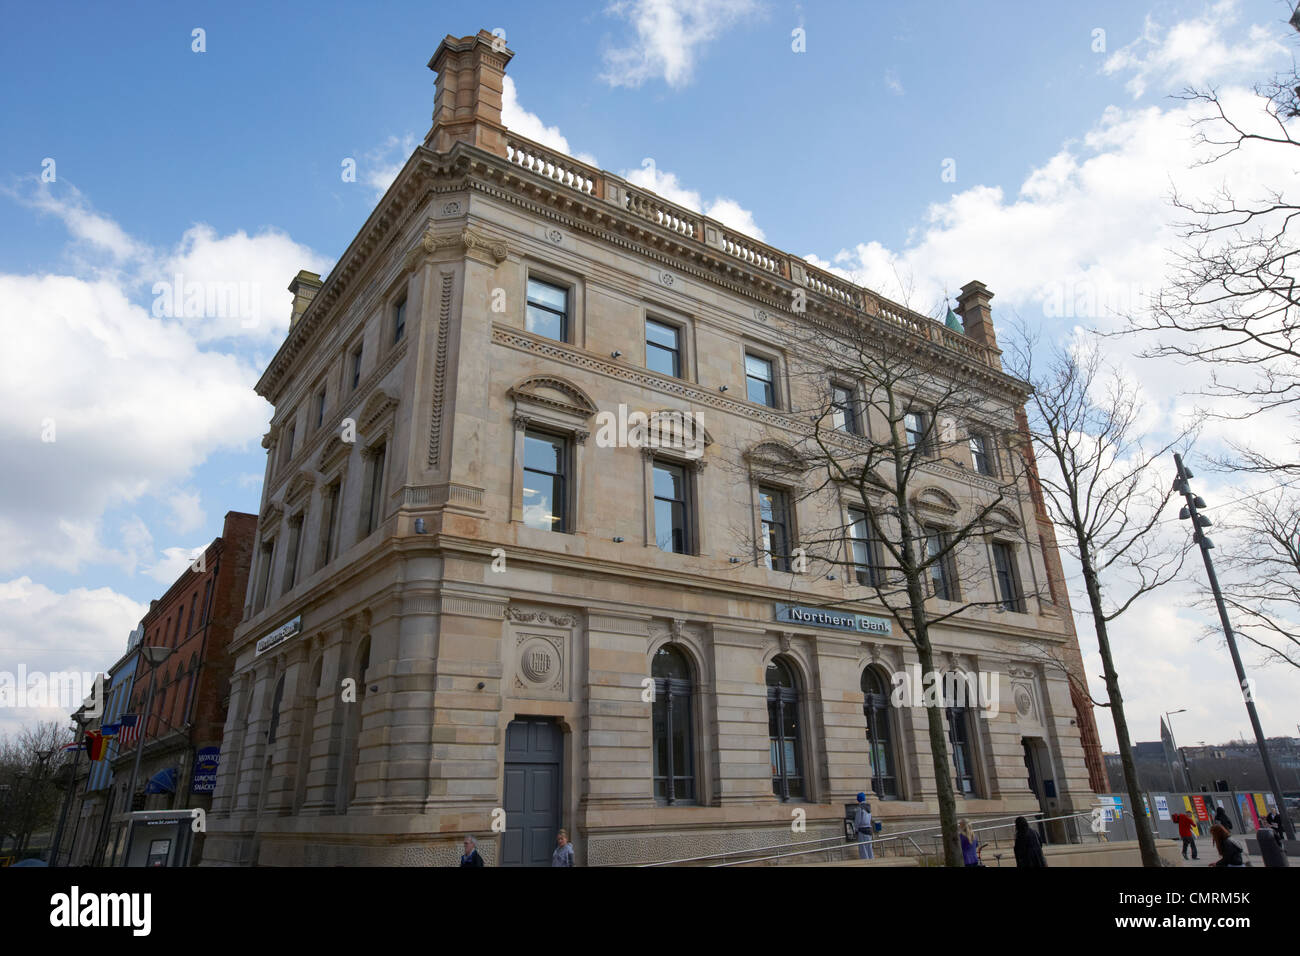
75	745
128	726
95	744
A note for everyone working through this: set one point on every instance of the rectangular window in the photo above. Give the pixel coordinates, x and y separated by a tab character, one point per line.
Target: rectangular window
320	407
356	366
914	426
758	380
943	577
399	321
844	412
546	465
264	576
286	450
1008	581
207	603
375	508
663	348
291	558
774	510
980	455
330	522
672	529
189	624
548	310
865	550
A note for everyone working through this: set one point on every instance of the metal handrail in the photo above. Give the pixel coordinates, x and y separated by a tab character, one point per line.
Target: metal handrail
876	841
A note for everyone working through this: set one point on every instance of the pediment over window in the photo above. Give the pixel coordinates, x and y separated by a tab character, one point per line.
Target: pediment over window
300	486
382	402
335	451
673	429
1003	517
270	518
775	454
935	499
555	394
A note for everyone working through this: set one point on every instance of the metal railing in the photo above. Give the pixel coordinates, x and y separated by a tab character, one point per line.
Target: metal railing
884	845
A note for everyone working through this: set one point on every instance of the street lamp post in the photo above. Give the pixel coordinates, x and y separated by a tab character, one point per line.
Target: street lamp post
81	720
1192	510
1178	750
155	655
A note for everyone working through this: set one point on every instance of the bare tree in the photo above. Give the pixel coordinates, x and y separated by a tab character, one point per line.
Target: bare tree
1102	491
890	402
28	796
1233	303
1261	581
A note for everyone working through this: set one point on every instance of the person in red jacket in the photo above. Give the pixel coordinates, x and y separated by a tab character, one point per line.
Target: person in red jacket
1186	830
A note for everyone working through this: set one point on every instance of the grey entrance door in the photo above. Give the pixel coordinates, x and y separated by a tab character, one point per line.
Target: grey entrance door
534	759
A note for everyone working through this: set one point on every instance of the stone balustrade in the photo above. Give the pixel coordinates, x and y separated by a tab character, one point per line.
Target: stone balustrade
689	224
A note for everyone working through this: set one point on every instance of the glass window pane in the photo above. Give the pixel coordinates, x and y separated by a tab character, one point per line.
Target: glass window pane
757	367
541	494
543	453
660	334
668	482
542	322
661	360
548	295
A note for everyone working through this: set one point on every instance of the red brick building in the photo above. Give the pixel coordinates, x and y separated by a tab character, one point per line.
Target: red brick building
195	620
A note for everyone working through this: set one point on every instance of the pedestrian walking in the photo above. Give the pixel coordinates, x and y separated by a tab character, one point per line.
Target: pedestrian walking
1221	818
563	855
1274	819
470	857
862	828
1229	849
970	844
1186	830
1029	849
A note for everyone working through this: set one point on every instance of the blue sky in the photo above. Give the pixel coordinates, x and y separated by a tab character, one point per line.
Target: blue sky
226	164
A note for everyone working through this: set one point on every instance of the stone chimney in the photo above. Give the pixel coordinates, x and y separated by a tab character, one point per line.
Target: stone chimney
976	316
304	287
467	99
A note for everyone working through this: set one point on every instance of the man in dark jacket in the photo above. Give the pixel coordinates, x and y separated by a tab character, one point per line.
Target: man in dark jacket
1186	830
470	857
1221	818
1029	850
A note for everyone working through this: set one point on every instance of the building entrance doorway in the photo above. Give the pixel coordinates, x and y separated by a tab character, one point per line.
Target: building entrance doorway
533	777
1042	782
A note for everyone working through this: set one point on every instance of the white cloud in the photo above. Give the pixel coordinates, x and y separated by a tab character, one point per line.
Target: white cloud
894	84
82	630
1194	52
173	563
187	513
726	211
671	35
380	166
134	403
530	126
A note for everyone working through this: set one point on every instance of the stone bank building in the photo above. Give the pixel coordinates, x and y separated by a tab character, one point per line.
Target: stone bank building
460	598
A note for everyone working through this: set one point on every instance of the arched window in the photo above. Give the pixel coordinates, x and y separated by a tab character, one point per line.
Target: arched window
880	740
783	730
674	759
347	790
308	734
276	700
960	733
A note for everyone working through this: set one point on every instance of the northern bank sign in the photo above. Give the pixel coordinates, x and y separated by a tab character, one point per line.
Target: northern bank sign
836	620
